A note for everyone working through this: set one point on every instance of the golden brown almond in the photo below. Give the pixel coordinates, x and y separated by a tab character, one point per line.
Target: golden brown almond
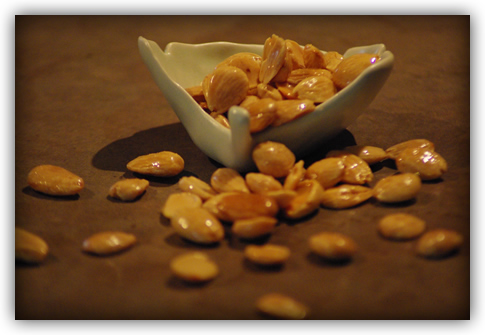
128	189
203	105
196	92
289	110
307	199
249	63
226	86
183	201
401	226
197	186
427	164
282	307
254	227
397	188
223	120
313	57
317	89
356	170
351	67
273	158
368	153
262	114
268	254
296	76
250	99
268	91
295	176
234	206
54	180
439	243
109	242
29	247
194	267
333	246
160	164
228	180
198	225
286	90
274	54
282	197
345	196
262	183
328	171
332	60
293	60
394	151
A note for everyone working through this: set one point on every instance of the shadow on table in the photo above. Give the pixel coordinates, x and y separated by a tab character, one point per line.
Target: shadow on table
174	137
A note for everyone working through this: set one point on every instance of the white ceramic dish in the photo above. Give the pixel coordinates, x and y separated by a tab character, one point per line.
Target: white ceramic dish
184	65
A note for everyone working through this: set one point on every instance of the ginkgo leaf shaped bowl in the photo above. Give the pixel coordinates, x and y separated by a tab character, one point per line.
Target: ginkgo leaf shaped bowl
182	66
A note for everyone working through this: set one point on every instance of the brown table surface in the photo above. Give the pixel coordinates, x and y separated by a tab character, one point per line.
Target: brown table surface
84	100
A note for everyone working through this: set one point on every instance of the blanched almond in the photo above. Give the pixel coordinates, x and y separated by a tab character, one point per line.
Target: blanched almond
254	227
29	247
293	60
397	188
262	183
313	57
160	164
394	151
345	196
289	110
428	164
369	154
223	120
332	60
273	158
228	180
296	76
317	89
268	254
282	197
439	243
262	113
356	170
226	86
333	246
196	92
307	199
401	226
274	54
54	180
282	307
295	176
234	206
286	90
128	189
249	63
351	67
109	242
197	186
198	225
194	267
328	171
183	201
268	91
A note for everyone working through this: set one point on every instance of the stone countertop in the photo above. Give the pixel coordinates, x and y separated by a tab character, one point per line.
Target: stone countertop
84	100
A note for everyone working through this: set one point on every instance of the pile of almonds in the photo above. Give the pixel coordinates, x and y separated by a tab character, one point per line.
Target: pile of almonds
253	204
283	84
